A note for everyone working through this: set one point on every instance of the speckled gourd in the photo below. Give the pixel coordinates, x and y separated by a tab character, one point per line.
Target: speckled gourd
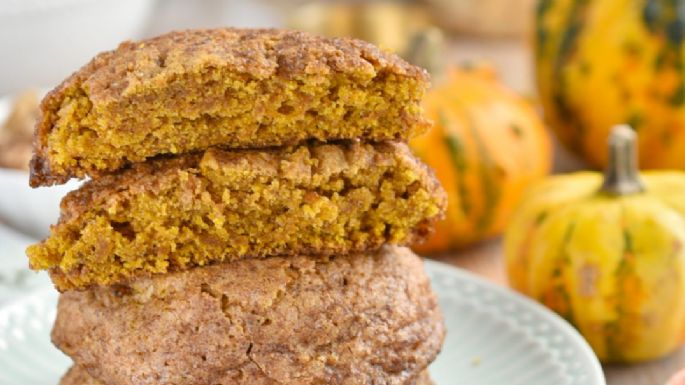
601	63
607	254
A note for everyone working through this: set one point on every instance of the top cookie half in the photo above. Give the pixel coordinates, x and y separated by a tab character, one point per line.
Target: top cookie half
237	88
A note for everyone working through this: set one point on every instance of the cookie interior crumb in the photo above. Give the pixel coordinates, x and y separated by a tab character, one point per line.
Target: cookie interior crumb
174	214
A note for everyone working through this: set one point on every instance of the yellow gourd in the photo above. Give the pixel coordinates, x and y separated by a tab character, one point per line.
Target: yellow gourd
605	62
607	253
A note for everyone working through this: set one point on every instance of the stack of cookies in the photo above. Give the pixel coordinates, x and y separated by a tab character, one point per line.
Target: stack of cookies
250	192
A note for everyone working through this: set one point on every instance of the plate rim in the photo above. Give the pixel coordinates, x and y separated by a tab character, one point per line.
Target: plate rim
432	268
560	324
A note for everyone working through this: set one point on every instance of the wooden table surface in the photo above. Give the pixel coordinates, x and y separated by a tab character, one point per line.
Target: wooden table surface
486	260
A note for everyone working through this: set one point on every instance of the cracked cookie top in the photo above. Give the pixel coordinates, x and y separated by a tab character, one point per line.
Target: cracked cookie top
367	318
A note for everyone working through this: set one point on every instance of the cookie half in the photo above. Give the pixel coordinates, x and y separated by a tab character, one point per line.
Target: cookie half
220	205
242	88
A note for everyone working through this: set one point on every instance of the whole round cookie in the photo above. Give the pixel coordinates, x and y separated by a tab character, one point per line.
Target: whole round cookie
78	376
367	318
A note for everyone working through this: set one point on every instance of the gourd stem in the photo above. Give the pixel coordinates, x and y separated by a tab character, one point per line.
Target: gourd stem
426	50
621	176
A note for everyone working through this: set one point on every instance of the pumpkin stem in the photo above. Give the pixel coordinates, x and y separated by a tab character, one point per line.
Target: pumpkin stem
426	50
621	176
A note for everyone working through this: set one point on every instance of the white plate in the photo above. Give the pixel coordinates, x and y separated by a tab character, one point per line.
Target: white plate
30	210
498	337
15	277
495	337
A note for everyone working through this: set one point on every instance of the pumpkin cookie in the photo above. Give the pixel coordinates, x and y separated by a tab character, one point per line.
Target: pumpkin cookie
173	214
189	90
78	376
367	318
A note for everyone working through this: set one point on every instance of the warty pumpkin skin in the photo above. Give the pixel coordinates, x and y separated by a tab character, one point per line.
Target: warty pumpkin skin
606	62
487	146
612	265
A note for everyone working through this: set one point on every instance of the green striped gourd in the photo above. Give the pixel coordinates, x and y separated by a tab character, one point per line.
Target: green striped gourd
601	63
486	147
607	253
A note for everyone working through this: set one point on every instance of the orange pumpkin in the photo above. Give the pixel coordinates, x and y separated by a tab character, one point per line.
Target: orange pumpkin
487	146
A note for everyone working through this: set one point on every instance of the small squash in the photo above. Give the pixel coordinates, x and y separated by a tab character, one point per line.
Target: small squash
487	18
607	254
605	62
487	146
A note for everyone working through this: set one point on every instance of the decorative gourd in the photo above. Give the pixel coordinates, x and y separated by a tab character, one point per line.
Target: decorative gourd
487	146
607	254
488	18
601	63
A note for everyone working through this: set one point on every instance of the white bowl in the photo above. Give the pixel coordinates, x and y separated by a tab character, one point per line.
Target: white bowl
29	210
43	41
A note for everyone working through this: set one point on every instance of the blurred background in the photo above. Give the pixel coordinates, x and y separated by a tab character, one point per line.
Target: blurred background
45	41
40	32
485	44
